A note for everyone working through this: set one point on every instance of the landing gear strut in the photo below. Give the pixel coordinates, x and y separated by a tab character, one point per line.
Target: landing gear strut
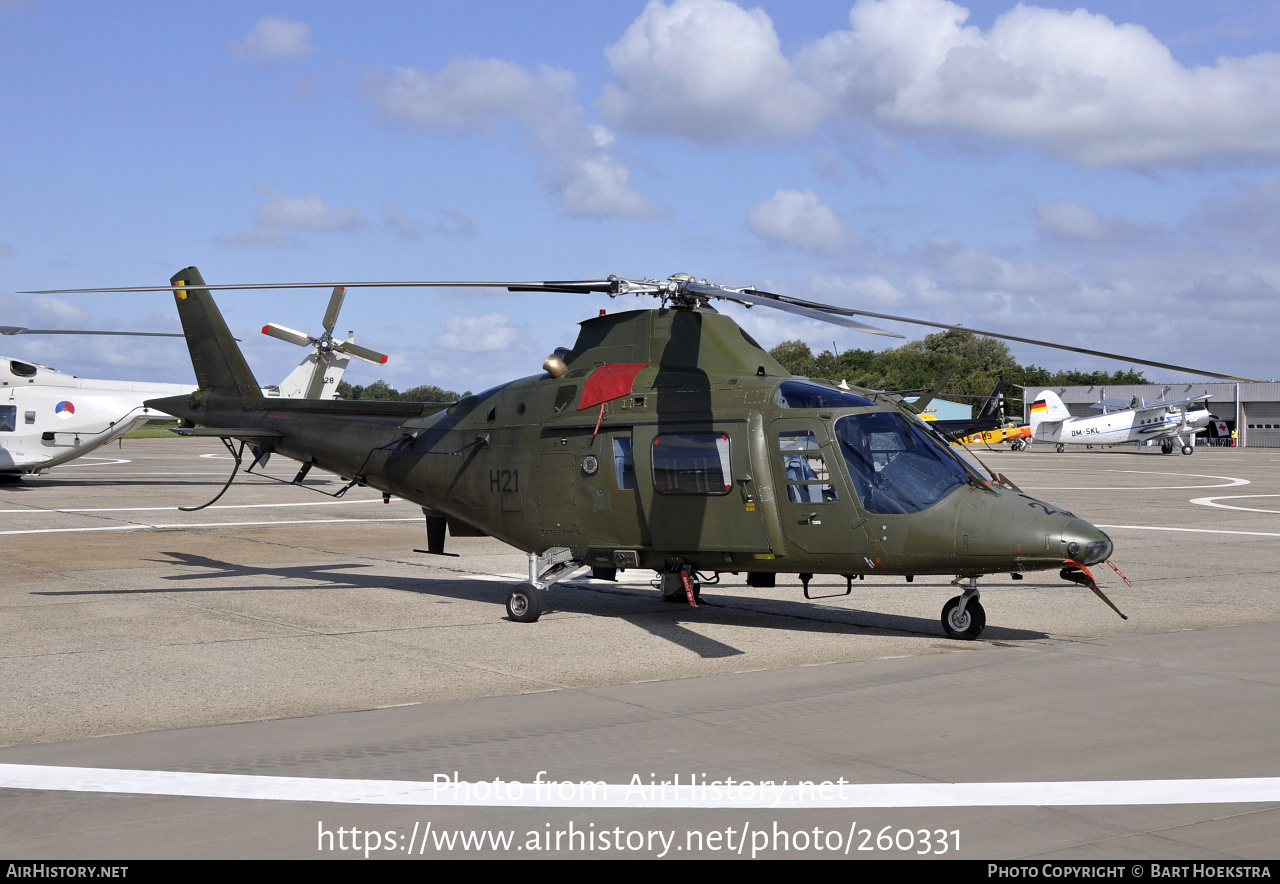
963	617
524	602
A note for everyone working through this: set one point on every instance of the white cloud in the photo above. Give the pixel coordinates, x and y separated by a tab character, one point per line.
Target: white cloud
478	334
305	212
802	220
274	38
1075	84
476	95
1070	220
707	70
449	223
280	212
874	289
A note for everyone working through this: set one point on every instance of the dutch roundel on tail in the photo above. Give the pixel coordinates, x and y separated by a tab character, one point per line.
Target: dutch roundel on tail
1173	423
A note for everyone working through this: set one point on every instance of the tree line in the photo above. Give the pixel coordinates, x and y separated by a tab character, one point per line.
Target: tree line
381	391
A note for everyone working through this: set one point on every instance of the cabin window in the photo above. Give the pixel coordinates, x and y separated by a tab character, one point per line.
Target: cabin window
802	394
8	418
807	478
565	396
624	465
895	465
691	463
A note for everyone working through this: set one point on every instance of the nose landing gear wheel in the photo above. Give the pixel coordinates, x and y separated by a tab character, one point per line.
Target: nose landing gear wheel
524	603
966	626
1187	449
1061	448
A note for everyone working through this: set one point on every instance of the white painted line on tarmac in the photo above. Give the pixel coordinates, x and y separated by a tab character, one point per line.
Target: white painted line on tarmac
1227	482
171	526
224	506
1193	530
1209	501
712	794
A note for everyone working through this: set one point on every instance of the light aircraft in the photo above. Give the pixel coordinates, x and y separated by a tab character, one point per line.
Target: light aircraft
48	417
1174	424
664	439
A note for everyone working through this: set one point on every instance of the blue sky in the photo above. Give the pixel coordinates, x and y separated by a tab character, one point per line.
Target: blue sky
1103	176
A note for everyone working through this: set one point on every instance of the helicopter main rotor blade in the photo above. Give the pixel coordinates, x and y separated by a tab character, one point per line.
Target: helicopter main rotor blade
350	349
17	330
1039	343
810	309
582	287
287	334
335	304
768	299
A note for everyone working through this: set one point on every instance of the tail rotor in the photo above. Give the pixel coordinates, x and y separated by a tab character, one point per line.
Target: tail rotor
330	358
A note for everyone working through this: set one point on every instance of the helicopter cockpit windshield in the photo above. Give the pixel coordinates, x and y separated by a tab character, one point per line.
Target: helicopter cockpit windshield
805	394
895	466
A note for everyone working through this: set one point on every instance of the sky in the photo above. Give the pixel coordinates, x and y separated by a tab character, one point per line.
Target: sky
1103	176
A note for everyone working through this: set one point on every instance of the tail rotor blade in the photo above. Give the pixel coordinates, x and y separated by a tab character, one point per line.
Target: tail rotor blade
335	304
359	352
316	386
281	333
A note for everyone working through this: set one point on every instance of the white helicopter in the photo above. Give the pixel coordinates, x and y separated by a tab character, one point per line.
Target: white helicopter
48	417
1174	423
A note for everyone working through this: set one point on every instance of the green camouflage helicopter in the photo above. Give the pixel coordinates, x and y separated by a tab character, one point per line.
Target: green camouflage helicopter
664	439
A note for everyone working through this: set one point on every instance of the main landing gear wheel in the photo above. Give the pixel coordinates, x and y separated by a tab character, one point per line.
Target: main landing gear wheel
1166	448
1187	449
524	603
966	626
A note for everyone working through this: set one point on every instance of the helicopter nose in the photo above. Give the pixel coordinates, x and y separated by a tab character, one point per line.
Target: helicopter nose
1086	544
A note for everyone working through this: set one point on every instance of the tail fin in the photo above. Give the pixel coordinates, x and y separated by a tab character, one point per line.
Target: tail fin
1047	408
218	362
991	411
922	401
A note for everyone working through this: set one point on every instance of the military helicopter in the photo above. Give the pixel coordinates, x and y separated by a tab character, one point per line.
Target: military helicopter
664	439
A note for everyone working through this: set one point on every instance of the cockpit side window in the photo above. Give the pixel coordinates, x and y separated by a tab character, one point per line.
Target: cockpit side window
895	466
807	478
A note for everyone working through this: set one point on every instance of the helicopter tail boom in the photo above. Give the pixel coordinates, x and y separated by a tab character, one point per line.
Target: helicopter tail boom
218	362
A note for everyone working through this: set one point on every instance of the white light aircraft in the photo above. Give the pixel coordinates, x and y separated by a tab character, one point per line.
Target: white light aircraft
1174	423
48	417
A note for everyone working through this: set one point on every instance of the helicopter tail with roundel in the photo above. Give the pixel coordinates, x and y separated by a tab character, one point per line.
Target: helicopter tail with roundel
1047	408
219	365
